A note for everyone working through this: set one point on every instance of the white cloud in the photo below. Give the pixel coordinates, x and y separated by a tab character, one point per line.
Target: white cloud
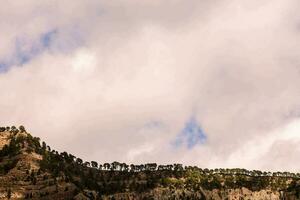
113	67
84	61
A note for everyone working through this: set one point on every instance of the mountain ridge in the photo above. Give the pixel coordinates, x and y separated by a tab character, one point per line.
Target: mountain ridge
30	169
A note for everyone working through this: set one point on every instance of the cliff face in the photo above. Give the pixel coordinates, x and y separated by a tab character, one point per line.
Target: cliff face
243	193
215	194
31	170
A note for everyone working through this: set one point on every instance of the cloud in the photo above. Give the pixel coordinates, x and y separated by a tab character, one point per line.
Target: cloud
280	146
118	80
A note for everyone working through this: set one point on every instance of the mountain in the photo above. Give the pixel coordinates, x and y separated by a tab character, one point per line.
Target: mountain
30	169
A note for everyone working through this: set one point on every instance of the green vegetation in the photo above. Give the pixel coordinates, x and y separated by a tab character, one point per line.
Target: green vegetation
116	177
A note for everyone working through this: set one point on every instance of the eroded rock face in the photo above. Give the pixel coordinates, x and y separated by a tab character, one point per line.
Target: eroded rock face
4	138
215	194
242	193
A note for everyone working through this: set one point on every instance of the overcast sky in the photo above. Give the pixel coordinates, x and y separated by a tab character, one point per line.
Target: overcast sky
199	82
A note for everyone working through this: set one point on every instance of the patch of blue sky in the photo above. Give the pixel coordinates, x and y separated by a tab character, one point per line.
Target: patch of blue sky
3	67
54	40
47	38
191	135
24	51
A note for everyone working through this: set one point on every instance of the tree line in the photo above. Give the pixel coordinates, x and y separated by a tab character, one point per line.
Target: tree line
34	144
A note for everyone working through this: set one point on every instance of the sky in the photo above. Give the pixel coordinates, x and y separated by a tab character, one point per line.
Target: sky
207	83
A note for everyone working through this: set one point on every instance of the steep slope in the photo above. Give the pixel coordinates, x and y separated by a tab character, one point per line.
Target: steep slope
31	170
20	174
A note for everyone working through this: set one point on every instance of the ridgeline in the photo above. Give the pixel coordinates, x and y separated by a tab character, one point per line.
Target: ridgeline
30	169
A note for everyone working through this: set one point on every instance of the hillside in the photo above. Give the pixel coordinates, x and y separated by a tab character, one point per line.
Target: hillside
30	169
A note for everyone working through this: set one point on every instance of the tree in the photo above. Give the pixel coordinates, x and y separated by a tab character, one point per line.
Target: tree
44	146
79	161
106	166
115	165
132	167
178	167
72	157
124	167
13	129
22	129
94	164
9	193
87	164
